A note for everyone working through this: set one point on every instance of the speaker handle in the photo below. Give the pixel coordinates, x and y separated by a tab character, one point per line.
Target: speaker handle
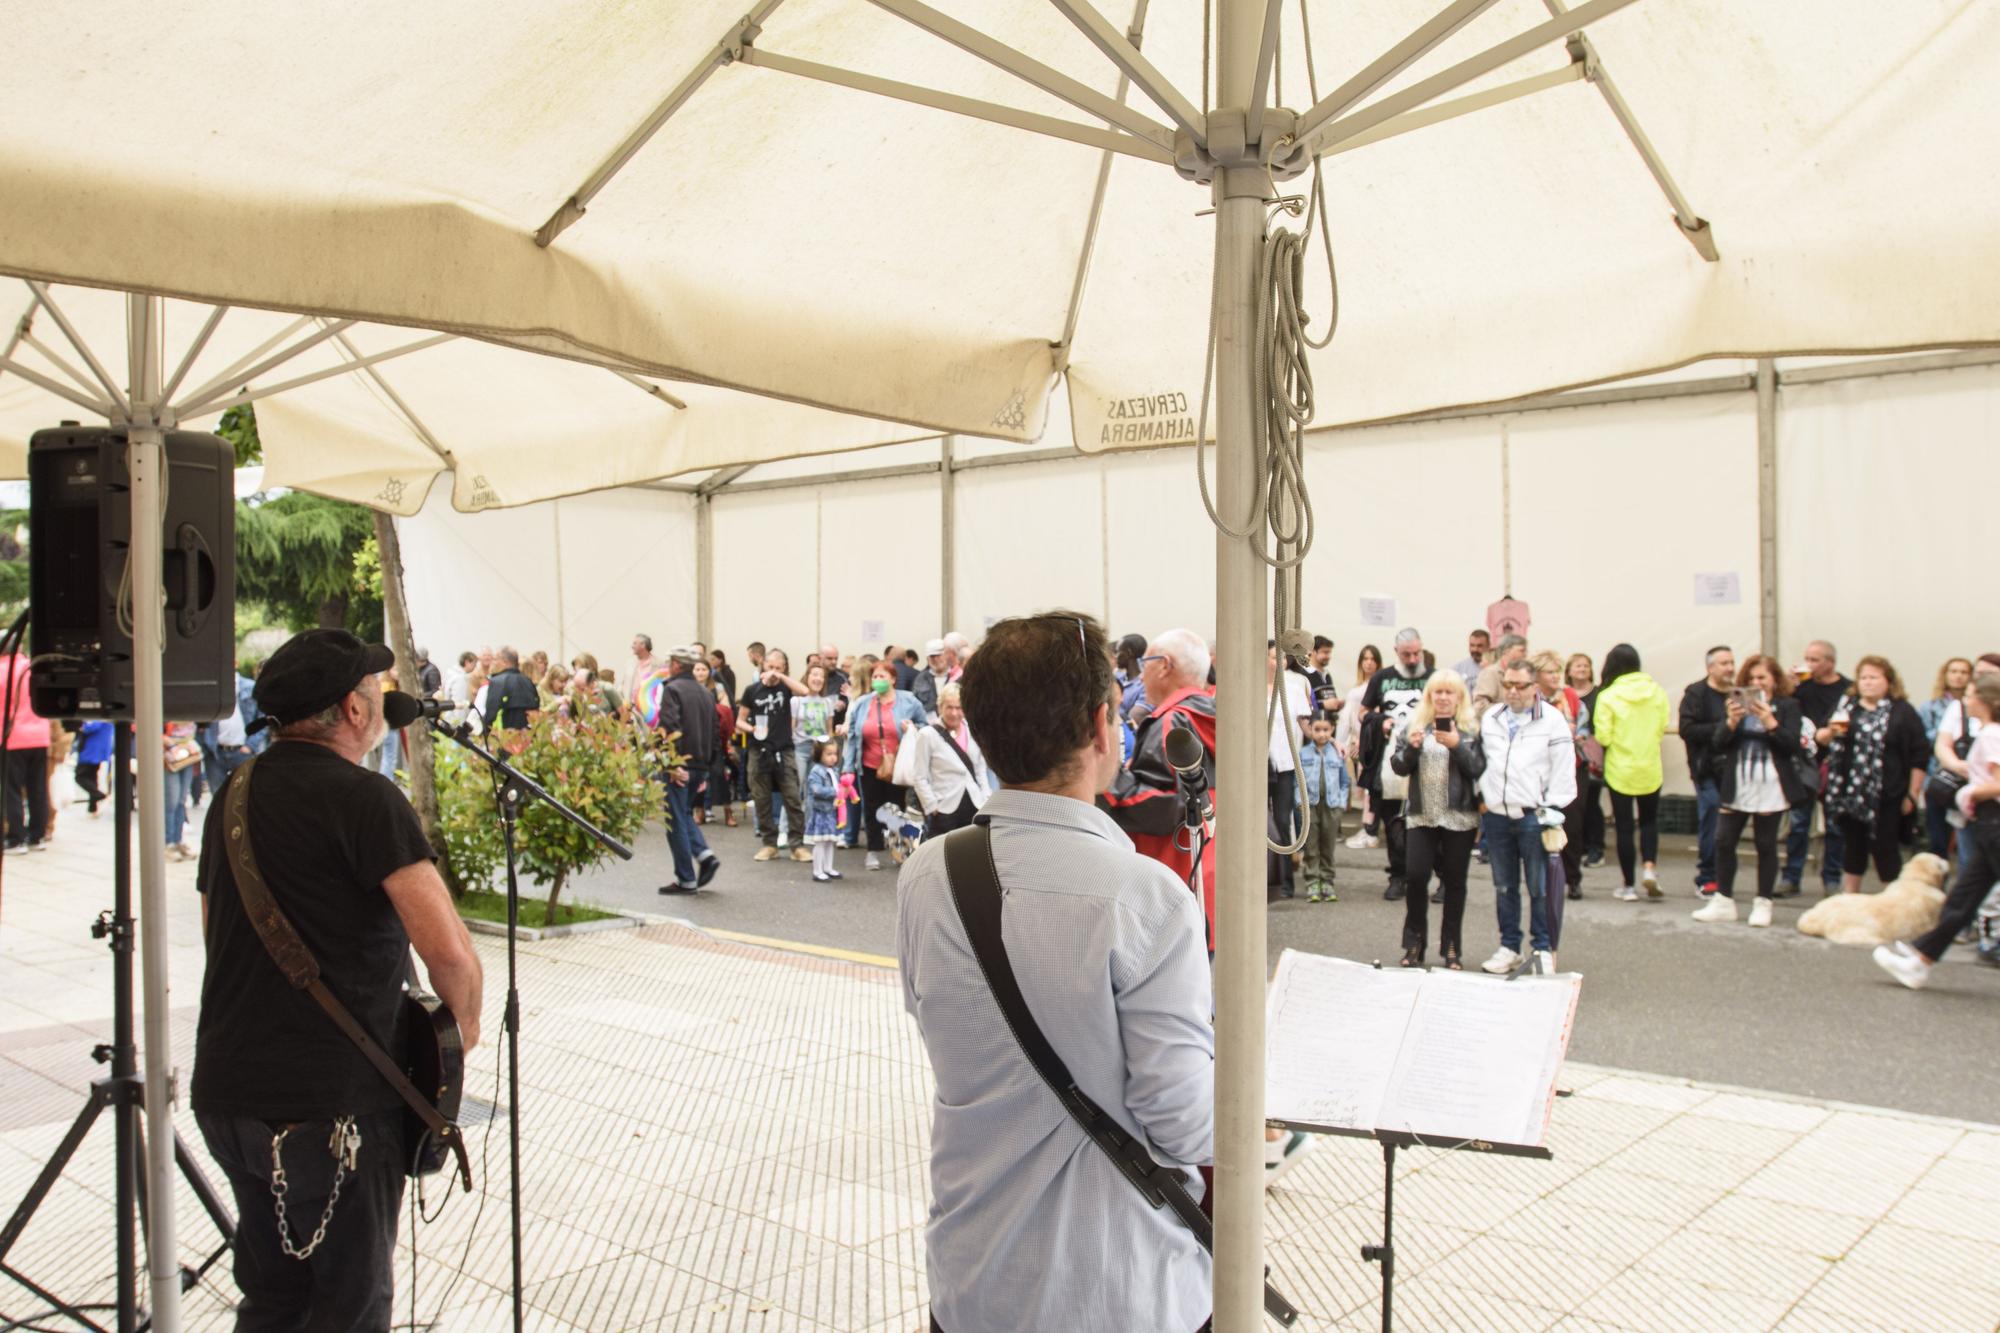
194	555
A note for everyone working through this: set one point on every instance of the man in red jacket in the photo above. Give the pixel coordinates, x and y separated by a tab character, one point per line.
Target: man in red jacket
1143	800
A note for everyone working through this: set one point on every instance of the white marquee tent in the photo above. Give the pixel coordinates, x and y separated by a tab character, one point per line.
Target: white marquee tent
692	193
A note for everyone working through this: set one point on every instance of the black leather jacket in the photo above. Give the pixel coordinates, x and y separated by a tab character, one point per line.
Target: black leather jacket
1468	761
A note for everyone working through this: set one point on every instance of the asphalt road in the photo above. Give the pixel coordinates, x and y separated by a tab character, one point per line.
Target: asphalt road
1766	1009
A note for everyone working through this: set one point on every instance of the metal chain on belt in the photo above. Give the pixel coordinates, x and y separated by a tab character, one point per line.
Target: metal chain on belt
345	1145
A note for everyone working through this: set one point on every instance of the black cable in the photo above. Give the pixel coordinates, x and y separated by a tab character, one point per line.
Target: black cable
485	1192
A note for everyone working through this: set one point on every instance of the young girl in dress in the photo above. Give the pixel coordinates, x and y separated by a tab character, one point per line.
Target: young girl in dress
822	798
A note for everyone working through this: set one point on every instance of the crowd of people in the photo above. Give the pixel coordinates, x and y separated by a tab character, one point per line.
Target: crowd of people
1505	758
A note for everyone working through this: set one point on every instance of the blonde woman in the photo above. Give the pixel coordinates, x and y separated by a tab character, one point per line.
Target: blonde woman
1441	755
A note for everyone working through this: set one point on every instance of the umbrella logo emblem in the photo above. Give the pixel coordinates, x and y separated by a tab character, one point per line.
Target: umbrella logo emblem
1014	413
392	493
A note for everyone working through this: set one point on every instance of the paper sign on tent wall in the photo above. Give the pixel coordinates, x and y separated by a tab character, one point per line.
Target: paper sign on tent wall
1378	611
873	631
1718	589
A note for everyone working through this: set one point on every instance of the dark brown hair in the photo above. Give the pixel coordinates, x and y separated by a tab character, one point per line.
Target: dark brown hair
1032	692
1781	679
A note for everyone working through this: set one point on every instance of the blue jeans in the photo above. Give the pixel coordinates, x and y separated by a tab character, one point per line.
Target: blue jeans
1707	810
684	836
178	786
1514	850
1798	838
390	754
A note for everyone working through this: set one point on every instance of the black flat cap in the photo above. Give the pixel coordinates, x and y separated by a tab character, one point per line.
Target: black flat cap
315	670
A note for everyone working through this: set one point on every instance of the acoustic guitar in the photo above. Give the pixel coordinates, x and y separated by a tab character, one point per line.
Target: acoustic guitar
434	1060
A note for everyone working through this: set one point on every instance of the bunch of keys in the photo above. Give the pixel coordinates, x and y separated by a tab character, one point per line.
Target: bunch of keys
345	1145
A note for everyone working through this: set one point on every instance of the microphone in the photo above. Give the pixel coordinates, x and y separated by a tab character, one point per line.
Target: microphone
1185	753
399	710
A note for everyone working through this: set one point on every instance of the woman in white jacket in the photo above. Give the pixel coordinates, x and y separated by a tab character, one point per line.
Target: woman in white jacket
947	770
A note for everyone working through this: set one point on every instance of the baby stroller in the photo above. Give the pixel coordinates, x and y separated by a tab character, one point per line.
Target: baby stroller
903	828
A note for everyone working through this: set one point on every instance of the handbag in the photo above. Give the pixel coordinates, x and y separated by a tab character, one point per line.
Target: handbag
184	754
975	893
1941	789
886	767
441	1065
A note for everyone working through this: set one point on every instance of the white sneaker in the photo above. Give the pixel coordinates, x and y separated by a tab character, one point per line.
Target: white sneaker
1503	961
1651	882
1361	842
1719	908
1625	893
1903	963
873	862
1545	962
1760	912
1282	1154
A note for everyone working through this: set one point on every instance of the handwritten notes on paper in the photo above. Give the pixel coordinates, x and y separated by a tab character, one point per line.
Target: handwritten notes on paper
1439	1054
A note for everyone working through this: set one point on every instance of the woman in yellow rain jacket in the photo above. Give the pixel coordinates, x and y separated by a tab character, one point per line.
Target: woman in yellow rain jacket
1631	719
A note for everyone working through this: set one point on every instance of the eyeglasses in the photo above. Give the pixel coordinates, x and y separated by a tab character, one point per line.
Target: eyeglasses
1517	689
1151	657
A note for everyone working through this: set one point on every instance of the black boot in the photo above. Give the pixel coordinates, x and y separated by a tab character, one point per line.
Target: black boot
1394	893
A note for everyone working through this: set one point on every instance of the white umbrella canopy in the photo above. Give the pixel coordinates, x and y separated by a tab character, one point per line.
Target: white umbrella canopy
783	235
369	420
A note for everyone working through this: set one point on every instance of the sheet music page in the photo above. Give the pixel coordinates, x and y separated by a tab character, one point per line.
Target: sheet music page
1333	1031
1481	1058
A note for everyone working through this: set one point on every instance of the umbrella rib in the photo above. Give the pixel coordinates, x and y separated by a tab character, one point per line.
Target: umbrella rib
1260	85
61	390
1013	117
25	324
1142	71
649	387
1461	106
1691	224
367	366
230	376
221	385
1137	34
194	350
41	289
725	51
1464	72
1082	96
1392	62
344	368
55	359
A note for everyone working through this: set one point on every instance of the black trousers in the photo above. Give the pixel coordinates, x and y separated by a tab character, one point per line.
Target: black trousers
1281	792
1763	835
1878	841
875	794
1592	791
1649	829
1575	817
1395	830
86	782
947	821
348	1284
1448	852
1977	873
27	782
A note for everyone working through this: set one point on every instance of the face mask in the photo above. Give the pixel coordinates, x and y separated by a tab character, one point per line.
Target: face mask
881	687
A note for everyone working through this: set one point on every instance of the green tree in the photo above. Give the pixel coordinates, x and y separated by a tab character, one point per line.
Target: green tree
13	563
297	554
239	427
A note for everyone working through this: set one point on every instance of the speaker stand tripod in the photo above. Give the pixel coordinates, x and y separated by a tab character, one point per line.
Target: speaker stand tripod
122	1093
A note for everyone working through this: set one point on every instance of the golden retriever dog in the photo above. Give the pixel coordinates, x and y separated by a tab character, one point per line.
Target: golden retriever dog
1901	911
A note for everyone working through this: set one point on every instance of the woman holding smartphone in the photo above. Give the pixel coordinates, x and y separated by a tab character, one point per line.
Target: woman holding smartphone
1763	746
1875	771
1442	757
1349	742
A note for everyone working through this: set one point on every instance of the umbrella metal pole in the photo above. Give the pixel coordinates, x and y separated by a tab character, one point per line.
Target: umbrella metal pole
1240	738
145	461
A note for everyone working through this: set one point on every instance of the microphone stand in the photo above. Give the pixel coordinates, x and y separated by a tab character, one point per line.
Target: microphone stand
511	789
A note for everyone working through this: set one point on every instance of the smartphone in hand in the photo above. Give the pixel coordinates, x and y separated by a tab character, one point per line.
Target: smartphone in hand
1442	724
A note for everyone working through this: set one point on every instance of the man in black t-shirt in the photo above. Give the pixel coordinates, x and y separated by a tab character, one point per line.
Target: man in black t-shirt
1818	695
1387	705
346	861
511	698
688	709
765	717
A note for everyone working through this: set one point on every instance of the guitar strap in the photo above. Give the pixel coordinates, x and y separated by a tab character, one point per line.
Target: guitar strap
301	969
976	893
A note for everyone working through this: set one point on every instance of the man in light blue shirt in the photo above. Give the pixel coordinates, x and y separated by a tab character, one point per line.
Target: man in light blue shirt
1031	1226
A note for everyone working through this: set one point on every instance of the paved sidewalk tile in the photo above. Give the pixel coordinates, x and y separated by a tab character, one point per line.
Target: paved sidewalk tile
725	1139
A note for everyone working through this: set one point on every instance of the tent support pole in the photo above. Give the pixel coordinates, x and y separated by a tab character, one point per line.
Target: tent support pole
1767	506
704	568
145	460
1241	743
948	537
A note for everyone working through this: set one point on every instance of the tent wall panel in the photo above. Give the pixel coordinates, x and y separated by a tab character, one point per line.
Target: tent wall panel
1881	547
766	553
628	567
878	561
1159	546
479	580
1029	538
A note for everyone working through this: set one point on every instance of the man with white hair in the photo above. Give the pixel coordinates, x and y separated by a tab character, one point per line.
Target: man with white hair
940	669
1144	800
956	649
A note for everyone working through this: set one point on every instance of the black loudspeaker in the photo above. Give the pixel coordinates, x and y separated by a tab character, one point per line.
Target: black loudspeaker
79	533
